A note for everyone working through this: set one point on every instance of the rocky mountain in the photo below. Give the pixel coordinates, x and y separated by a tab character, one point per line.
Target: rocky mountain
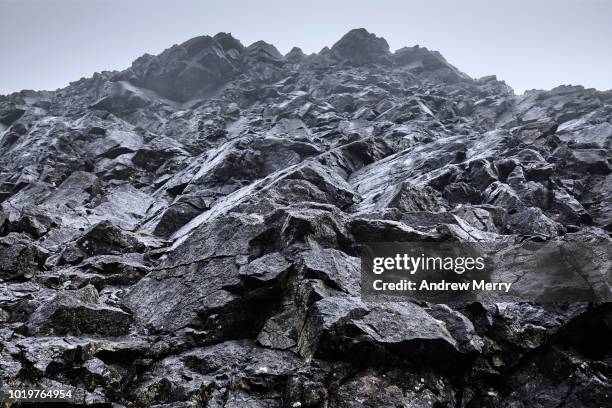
186	232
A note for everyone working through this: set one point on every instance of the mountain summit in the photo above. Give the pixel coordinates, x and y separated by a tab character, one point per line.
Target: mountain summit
202	64
360	46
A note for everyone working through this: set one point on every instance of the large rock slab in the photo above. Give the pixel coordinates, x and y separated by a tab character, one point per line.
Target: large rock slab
76	313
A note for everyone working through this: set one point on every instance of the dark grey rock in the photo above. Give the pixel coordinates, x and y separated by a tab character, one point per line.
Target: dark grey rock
8	117
189	69
103	238
335	268
360	46
76	313
155	153
268	268
20	257
187	232
348	328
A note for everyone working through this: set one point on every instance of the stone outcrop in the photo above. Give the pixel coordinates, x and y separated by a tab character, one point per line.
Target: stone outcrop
186	232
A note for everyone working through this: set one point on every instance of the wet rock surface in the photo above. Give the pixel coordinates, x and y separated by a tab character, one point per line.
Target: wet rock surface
186	232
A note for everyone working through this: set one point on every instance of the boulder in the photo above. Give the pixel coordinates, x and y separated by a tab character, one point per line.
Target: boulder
78	312
404	330
20	258
335	268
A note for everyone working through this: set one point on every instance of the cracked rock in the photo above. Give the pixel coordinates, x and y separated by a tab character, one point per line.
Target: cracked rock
187	231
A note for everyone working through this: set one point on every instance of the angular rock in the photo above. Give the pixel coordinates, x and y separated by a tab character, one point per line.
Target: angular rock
532	221
202	211
78	313
404	330
20	258
360	46
155	153
335	268
267	269
189	69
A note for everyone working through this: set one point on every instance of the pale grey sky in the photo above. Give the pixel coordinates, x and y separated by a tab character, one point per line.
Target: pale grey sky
44	44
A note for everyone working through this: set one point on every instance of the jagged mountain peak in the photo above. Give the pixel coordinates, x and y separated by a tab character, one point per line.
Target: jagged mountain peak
295	55
202	64
228	42
262	47
358	45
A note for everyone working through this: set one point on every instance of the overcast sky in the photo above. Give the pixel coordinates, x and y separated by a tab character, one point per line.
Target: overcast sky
44	44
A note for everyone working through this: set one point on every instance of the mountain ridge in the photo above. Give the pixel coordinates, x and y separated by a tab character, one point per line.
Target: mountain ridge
222	36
